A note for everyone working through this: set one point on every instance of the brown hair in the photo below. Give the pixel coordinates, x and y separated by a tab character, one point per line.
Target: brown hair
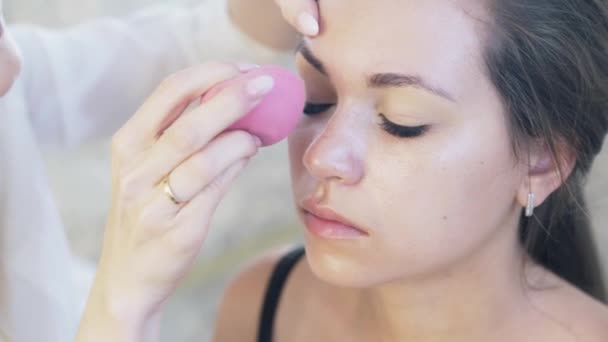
549	61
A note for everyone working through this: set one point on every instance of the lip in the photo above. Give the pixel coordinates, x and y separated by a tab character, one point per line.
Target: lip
326	223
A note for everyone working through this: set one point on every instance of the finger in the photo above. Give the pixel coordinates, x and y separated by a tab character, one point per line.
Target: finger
302	14
194	174
156	216
192	222
168	101
190	178
193	131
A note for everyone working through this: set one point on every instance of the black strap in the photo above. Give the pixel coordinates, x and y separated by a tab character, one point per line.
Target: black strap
273	293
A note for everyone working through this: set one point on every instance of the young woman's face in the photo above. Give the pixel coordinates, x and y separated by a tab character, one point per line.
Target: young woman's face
10	61
425	195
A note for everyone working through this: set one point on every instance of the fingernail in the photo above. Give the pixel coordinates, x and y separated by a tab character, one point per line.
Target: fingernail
244	67
308	24
260	85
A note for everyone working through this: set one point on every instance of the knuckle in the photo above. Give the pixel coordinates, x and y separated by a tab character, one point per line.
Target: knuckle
232	102
128	185
172	81
202	167
184	139
212	69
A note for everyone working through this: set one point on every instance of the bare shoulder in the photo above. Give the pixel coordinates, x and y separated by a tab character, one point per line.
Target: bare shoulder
575	315
239	310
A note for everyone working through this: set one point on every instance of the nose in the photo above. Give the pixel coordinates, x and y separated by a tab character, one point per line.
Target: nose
335	154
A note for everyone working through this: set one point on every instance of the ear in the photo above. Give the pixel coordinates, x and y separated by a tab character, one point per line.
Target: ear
545	172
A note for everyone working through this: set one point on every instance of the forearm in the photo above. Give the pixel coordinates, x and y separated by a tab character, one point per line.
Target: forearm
262	21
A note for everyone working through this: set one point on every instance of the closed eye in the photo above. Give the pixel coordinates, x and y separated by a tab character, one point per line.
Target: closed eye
312	109
402	131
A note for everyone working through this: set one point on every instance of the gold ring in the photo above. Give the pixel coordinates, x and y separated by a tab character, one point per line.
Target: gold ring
169	192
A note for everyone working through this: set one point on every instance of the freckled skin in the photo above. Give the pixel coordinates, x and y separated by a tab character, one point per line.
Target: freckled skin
403	190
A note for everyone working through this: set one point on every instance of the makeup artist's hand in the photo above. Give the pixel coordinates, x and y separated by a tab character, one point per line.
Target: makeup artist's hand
170	168
263	21
302	14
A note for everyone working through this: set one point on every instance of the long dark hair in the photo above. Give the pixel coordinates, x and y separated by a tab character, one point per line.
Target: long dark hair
549	61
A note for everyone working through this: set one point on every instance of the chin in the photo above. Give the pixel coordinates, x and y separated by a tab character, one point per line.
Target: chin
338	267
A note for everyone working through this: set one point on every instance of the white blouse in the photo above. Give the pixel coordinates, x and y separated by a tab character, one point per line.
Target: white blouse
76	85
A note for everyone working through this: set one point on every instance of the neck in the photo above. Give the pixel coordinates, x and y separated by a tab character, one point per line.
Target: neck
468	301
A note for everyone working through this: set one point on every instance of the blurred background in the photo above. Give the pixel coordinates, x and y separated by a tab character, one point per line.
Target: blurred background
256	215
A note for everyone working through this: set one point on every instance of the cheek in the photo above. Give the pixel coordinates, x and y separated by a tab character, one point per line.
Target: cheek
475	181
446	193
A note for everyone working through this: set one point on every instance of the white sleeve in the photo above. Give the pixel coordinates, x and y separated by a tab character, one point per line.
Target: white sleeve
85	82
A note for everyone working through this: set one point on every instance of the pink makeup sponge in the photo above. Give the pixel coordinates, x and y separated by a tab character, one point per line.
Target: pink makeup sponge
278	113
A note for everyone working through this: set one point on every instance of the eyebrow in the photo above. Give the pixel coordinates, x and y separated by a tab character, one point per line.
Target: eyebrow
381	80
387	80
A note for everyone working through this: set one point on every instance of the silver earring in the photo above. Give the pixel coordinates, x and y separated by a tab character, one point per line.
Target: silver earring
530	206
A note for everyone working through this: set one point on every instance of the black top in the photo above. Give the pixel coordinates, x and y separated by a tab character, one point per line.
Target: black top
273	293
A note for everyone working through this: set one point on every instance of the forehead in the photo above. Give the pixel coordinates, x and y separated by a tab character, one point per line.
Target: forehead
433	38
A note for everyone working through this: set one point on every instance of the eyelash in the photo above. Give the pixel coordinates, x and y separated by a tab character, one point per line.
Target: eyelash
312	109
402	131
